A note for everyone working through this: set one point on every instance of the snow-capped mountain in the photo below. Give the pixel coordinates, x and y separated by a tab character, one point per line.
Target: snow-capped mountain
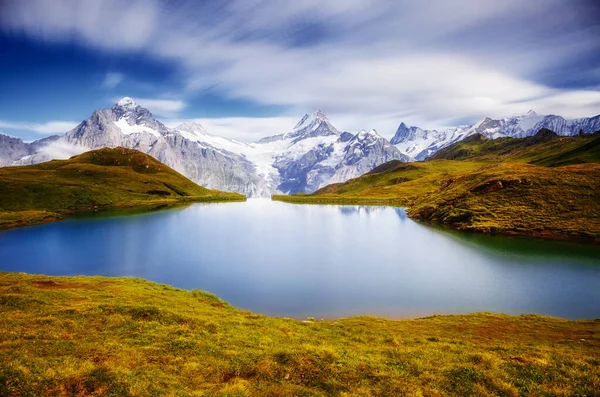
14	149
310	156
315	154
129	125
420	144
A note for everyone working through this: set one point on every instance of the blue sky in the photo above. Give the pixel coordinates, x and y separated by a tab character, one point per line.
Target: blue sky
250	68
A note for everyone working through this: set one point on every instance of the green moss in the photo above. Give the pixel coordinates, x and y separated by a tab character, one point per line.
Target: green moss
119	336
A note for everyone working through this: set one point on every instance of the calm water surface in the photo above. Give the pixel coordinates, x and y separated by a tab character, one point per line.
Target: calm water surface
320	261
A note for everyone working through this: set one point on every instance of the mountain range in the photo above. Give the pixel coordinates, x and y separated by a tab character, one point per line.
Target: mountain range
544	185
312	155
419	144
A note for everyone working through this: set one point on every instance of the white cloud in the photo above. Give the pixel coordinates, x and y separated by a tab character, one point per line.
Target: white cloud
110	24
47	128
111	80
61	150
162	107
244	129
371	62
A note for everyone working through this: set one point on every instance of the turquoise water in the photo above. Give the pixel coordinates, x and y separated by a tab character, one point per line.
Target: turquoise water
320	261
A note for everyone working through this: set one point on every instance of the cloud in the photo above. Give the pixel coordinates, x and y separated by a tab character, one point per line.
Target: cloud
109	24
162	107
47	128
372	61
60	151
111	80
244	129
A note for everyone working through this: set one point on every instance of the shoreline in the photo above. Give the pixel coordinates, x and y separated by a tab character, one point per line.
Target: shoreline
41	217
46	281
395	202
127	336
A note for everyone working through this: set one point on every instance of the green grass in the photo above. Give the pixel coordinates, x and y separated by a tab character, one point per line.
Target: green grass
71	336
545	148
100	180
543	186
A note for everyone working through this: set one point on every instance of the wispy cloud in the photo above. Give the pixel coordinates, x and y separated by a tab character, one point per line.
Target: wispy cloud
428	62
162	107
111	80
47	128
244	129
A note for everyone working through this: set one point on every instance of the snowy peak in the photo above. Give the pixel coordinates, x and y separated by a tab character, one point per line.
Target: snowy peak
309	119
405	133
402	133
366	139
195	132
312	125
531	113
126	108
127	113
126	103
192	128
364	135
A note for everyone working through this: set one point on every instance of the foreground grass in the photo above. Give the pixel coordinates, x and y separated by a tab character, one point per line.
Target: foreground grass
99	180
543	186
129	337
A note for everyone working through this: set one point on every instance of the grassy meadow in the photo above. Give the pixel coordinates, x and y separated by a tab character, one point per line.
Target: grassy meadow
76	336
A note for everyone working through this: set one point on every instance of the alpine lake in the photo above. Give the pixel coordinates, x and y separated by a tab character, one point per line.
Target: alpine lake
321	261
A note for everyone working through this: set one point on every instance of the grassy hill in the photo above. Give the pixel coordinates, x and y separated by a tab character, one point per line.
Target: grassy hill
103	179
64	336
544	186
545	148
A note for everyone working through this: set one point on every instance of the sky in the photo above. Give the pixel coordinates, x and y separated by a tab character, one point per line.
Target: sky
251	68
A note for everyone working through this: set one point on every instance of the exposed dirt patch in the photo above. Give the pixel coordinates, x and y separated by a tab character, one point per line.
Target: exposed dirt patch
496	185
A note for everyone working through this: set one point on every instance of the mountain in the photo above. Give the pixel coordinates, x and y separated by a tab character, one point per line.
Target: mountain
14	149
311	155
93	181
315	154
545	185
420	144
545	148
11	149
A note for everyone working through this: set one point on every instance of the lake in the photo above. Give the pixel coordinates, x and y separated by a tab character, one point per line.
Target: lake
320	261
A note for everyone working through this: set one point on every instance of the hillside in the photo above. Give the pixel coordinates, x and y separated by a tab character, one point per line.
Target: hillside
544	186
98	180
129	337
545	148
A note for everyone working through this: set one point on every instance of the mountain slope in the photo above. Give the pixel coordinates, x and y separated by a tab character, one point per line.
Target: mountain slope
310	156
420	144
129	125
521	186
96	180
544	148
